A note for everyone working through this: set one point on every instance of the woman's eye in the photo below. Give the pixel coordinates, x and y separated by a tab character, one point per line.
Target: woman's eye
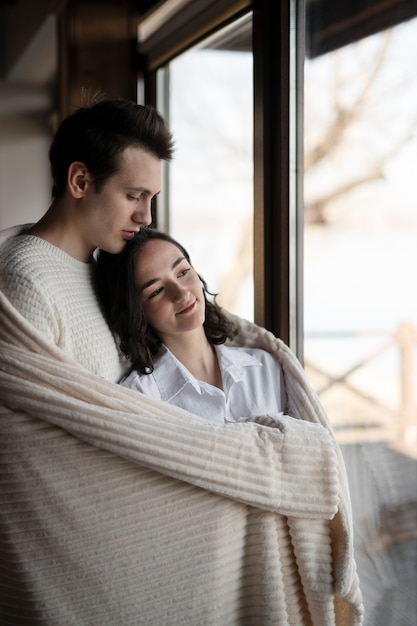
184	271
133	198
155	293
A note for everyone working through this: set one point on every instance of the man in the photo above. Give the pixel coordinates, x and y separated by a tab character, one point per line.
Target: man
106	164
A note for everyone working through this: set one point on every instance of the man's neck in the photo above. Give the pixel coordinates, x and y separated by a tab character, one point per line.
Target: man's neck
57	229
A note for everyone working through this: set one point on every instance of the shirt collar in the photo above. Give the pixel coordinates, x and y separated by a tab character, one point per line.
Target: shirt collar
171	376
171	380
233	360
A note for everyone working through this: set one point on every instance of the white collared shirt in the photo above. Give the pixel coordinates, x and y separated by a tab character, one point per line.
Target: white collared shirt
252	385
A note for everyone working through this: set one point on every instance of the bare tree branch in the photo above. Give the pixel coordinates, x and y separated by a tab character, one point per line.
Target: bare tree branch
345	116
316	210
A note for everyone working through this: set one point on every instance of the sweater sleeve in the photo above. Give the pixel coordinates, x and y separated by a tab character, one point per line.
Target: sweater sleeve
307	464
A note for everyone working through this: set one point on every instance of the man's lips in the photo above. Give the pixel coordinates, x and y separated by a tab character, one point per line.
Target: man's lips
187	309
129	234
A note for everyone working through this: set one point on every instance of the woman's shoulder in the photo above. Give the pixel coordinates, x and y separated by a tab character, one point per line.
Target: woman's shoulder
258	353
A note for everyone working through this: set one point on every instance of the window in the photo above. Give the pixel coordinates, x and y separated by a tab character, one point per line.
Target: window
211	177
360	306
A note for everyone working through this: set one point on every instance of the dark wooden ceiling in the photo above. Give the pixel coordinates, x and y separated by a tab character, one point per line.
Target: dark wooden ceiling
332	24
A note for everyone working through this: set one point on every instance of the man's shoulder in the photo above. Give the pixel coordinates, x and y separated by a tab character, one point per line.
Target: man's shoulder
23	260
33	255
12	231
33	270
16	247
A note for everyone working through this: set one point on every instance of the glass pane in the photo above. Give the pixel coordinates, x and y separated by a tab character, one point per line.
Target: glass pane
360	299
209	90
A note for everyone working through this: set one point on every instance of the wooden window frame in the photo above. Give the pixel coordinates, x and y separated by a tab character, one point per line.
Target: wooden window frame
277	136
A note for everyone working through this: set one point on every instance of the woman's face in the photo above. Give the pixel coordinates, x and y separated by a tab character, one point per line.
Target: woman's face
170	290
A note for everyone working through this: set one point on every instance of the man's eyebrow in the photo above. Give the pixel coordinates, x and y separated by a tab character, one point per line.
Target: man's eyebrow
152	281
144	189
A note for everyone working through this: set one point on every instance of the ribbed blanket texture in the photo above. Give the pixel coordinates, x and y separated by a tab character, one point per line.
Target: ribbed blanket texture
117	510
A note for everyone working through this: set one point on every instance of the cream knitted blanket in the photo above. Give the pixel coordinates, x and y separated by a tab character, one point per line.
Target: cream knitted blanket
117	510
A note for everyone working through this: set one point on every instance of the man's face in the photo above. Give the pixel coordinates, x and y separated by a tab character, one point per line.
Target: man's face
112	215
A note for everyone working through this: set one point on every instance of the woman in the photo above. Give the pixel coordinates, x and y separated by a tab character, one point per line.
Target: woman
174	335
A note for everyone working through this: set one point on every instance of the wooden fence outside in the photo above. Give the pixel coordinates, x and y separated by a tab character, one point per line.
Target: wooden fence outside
399	422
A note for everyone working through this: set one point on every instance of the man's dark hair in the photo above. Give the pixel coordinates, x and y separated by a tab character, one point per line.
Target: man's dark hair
97	134
123	308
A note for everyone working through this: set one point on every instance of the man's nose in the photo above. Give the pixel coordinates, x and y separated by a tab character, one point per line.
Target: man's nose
143	216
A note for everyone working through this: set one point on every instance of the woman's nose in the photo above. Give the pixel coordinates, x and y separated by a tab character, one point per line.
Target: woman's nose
177	293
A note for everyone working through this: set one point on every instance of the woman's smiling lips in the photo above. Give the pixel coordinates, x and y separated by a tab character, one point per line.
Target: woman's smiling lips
187	309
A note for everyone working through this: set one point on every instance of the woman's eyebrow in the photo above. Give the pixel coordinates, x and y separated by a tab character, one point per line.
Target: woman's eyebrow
148	284
178	261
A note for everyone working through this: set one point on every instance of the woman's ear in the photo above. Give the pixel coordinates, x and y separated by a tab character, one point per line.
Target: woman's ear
78	179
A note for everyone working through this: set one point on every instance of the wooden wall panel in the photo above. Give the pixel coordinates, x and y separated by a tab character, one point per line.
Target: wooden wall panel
97	50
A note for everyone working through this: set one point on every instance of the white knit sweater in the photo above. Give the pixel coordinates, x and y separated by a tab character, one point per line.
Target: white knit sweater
118	509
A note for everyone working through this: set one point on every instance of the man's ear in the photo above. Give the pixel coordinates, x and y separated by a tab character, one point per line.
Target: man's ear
78	179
